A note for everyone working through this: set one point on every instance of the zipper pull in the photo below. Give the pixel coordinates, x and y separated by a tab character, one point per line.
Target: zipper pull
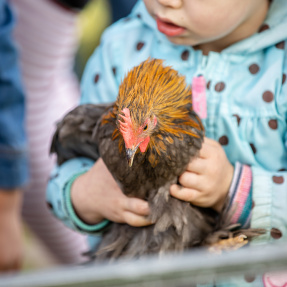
199	96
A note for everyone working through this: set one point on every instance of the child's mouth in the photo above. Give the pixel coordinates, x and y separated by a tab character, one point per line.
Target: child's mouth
168	28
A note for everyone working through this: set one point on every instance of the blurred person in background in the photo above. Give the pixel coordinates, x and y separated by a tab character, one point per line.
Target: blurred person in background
13	145
47	38
46	34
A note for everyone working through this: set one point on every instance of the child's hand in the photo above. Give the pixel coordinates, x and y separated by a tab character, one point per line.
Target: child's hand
95	195
207	178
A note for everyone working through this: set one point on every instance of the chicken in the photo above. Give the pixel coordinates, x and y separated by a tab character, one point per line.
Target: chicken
151	133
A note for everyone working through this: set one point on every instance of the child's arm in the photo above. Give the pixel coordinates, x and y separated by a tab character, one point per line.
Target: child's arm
83	194
95	196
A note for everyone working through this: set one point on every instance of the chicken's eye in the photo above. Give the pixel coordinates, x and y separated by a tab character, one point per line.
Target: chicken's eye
145	128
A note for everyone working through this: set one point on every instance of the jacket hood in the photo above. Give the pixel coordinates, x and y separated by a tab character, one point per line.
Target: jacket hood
272	32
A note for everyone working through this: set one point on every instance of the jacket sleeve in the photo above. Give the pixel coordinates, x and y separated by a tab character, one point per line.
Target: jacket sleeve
270	186
258	197
269	203
13	143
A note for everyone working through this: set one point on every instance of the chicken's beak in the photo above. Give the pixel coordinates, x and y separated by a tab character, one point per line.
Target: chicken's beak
130	153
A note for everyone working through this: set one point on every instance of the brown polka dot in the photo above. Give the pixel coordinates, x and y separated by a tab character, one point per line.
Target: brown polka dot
263	28
223	140
185	55
273	124
253	204
283	79
97	77
237	118
268	96
139	16
114	71
50	206
275	233
253	148
254	69
249	278
278	179
208	85
282	169
140	45
219	86
280	45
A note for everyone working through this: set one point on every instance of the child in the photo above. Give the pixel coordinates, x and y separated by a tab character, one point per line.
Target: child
238	48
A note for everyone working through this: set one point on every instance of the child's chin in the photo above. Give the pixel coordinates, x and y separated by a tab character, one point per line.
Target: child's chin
183	41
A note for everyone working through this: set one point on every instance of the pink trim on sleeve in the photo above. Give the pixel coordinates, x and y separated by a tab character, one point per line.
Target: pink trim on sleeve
242	192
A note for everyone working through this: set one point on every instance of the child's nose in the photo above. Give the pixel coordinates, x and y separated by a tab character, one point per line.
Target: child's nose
171	3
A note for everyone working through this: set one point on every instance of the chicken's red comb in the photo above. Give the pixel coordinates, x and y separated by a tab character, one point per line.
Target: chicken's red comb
126	127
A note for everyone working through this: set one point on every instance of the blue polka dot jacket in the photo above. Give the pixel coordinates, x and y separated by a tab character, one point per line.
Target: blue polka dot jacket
246	98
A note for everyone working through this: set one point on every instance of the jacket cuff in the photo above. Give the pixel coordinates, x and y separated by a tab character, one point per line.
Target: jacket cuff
240	194
82	226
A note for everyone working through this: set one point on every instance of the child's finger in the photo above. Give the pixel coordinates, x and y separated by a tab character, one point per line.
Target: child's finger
137	206
186	194
135	220
191	180
197	165
206	150
210	141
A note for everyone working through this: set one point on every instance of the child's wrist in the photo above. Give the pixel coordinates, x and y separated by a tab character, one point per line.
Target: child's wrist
81	223
81	201
228	181
220	204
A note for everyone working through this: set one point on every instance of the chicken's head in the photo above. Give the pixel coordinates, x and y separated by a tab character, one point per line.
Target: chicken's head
135	136
153	103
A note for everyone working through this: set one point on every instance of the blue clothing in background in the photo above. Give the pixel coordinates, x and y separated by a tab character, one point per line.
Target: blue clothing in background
13	145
